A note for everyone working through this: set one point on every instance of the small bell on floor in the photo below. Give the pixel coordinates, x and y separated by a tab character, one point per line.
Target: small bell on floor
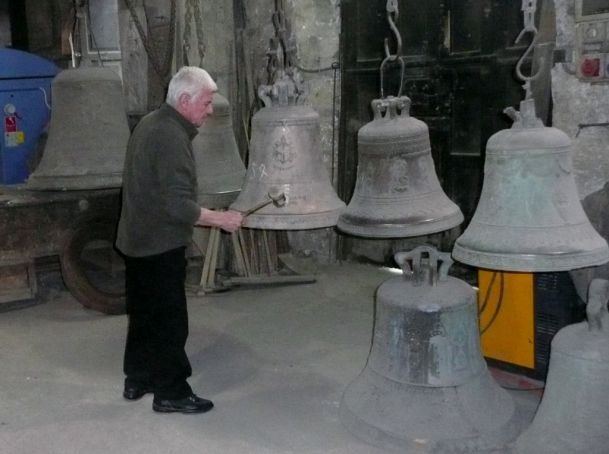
425	386
573	416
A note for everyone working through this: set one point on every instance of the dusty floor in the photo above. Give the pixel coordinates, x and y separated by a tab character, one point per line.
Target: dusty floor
275	361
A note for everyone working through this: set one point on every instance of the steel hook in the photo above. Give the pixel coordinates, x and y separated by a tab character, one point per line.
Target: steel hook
528	9
392	9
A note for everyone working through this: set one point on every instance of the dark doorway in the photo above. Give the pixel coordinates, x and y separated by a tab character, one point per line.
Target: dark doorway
460	58
18	24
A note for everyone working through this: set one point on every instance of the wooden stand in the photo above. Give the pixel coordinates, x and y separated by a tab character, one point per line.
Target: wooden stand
256	263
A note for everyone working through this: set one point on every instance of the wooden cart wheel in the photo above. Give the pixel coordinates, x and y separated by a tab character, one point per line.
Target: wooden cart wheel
81	267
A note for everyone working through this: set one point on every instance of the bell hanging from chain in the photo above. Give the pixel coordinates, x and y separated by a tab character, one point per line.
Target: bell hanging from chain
220	170
573	416
397	192
529	217
88	132
425	386
286	157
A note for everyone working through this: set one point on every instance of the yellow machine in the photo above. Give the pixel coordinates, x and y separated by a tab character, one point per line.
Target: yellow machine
519	315
507	317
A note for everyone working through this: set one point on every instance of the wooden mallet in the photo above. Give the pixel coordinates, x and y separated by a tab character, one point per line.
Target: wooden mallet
277	199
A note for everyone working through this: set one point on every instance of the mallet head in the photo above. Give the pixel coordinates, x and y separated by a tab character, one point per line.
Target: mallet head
279	198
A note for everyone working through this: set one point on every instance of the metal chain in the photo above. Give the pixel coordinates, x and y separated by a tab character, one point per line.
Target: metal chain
283	50
187	21
199	30
286	43
392	16
193	9
161	68
172	36
278	60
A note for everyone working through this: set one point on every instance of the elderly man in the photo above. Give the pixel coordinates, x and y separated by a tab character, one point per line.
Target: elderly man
159	210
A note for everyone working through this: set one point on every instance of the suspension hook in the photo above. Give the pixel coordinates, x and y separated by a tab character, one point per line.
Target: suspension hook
528	9
392	16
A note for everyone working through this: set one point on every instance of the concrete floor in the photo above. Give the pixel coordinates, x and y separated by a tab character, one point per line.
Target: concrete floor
275	361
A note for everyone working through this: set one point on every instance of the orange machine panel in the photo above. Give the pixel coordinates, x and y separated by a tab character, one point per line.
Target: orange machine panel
507	317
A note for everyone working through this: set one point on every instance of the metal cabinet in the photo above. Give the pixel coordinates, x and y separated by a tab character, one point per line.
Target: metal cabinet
25	103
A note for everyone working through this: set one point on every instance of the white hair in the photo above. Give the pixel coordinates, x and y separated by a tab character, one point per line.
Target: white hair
189	80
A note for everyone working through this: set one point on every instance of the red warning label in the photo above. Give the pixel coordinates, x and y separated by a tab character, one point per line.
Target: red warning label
10	124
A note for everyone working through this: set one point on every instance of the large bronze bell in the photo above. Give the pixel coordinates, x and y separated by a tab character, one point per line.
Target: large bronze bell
573	416
397	192
88	134
285	157
426	387
529	217
220	170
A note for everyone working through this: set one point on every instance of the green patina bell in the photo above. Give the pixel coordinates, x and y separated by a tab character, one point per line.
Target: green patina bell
425	386
573	416
529	217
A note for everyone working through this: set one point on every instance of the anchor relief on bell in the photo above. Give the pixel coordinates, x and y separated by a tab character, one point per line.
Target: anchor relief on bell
286	155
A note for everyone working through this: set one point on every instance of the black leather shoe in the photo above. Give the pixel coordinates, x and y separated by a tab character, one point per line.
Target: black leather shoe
134	392
190	404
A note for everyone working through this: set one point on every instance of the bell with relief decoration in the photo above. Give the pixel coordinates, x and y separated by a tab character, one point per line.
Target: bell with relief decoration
397	193
220	170
425	386
88	133
286	157
573	416
529	217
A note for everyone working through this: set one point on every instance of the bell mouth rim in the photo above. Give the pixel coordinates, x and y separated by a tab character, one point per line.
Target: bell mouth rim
217	200
104	73
301	221
381	432
73	182
534	151
395	230
369	145
529	262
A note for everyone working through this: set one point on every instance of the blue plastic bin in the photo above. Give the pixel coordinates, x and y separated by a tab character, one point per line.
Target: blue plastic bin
25	109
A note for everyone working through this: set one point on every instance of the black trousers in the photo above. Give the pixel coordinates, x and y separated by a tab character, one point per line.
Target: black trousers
158	324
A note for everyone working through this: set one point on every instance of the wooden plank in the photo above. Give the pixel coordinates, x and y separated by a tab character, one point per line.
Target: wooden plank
17	282
271	280
239	261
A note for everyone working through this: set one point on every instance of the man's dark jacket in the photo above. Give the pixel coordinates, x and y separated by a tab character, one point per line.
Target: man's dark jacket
159	202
